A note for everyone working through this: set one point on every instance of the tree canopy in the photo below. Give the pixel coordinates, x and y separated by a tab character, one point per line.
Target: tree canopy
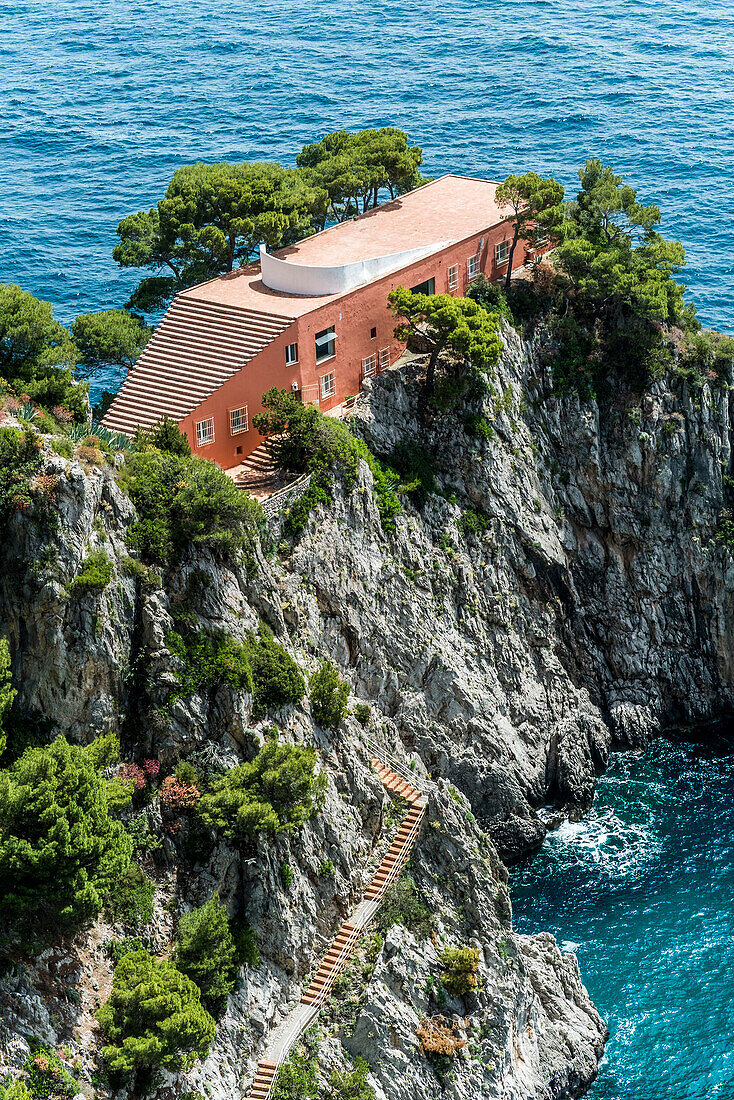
7	691
60	850
110	337
535	205
212	218
276	791
456	325
354	168
153	1018
206	951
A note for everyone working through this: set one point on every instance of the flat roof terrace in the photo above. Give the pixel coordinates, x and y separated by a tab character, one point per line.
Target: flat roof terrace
446	211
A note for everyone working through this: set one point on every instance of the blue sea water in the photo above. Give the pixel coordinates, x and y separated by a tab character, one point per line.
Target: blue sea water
643	892
102	100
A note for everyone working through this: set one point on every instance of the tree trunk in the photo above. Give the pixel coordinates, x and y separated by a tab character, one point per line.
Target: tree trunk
510	258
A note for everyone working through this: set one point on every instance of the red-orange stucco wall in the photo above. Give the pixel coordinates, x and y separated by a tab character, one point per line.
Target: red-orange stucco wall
353	317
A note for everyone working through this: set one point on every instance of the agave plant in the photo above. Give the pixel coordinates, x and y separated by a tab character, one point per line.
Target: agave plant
116	440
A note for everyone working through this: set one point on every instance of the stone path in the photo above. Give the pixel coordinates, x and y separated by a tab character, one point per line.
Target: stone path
344	943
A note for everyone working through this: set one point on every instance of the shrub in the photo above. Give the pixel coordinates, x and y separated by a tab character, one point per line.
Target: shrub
276	678
472	522
401	906
119	948
153	1018
130	901
16	1090
62	447
21	457
165	436
247	952
327	868
298	1078
209	659
459	967
351	1084
490	295
415	465
276	791
7	691
477	425
148	579
286	875
185	502
47	1077
363	713
178	797
94	576
328	694
206	951
60	851
439	1036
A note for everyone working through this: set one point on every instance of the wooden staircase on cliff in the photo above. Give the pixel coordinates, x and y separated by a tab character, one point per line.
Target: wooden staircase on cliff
346	939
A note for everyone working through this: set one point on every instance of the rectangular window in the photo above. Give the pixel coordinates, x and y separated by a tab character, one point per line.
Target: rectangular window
205	432
325	344
291	354
328	385
502	252
472	267
384	358
369	366
454	277
429	287
373	333
238	420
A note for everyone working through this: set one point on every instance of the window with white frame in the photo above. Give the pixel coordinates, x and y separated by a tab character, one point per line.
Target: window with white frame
541	237
502	252
384	358
454	277
369	366
328	385
291	354
325	344
238	420
205	432
472	267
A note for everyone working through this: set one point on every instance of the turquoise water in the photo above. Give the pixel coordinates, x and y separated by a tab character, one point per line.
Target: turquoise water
642	891
102	101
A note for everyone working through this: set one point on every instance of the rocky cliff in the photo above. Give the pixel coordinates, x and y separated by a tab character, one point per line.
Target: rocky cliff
558	594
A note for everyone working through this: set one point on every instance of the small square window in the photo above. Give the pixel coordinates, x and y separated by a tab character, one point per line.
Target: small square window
205	432
373	334
472	267
369	366
239	420
291	354
238	450
454	277
502	252
384	358
328	385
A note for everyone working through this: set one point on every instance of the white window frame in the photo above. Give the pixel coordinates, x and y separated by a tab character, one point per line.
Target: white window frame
454	277
501	253
472	267
327	385
245	420
369	366
205	432
291	349
384	358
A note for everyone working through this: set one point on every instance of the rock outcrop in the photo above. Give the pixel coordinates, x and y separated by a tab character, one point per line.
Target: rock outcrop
560	594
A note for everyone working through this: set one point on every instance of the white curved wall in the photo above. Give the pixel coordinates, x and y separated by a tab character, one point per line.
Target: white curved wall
315	282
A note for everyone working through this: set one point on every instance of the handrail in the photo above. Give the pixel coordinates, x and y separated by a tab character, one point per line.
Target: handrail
400	859
390	759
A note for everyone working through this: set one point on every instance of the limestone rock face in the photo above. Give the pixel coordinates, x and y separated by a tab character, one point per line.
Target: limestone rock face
560	595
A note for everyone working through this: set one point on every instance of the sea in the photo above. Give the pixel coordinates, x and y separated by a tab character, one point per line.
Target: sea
101	102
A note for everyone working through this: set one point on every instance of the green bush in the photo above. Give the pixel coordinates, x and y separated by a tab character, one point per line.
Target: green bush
416	467
118	949
60	851
21	458
277	679
148	579
206	952
351	1084
363	713
130	900
472	522
401	906
477	426
7	691
47	1077
247	952
298	1077
277	791
491	296
459	967
94	576
185	502
165	436
62	447
209	659
328	694
153	1018
17	1090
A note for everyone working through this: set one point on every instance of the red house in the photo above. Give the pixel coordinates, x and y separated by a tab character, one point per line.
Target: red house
312	318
